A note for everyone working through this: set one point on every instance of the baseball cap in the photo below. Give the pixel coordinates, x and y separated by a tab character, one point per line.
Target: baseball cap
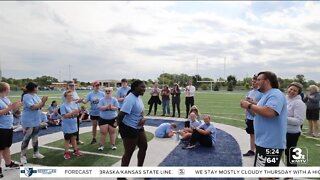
96	83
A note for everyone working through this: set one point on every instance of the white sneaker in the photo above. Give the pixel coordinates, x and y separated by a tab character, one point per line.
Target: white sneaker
114	147
38	156
23	160
100	148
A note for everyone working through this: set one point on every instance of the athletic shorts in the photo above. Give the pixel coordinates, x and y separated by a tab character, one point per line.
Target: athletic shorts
94	117
249	128
110	122
6	138
267	157
312	114
68	136
129	132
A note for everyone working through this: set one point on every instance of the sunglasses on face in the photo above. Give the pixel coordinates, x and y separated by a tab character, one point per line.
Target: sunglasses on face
108	91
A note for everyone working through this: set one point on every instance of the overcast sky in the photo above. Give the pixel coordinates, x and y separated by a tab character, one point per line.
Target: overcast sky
112	40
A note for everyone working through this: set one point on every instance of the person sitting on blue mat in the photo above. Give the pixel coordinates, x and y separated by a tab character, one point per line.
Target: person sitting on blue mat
193	123
165	130
205	134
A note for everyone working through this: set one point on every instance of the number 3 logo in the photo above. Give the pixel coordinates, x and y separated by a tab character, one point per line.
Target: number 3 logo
298	153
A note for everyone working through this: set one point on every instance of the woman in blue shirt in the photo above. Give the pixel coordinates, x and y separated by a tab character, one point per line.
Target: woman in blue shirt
6	122
131	121
205	134
31	119
52	107
107	123
70	111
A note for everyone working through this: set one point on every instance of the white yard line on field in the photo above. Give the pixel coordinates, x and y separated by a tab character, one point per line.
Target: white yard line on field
85	152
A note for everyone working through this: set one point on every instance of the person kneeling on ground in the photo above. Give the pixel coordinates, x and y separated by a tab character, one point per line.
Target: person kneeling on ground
193	123
165	130
205	134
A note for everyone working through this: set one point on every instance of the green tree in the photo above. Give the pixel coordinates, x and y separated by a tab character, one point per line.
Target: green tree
216	87
311	82
247	80
232	80
195	80
230	86
301	79
204	86
45	80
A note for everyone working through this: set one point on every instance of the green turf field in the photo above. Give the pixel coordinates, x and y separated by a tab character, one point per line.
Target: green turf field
54	151
222	105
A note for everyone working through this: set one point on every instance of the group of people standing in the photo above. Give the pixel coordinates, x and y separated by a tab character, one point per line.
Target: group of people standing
175	93
274	121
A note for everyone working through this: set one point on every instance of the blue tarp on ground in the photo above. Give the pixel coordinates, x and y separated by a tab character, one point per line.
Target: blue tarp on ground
225	153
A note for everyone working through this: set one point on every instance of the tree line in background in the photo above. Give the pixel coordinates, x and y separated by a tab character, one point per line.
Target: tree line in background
228	84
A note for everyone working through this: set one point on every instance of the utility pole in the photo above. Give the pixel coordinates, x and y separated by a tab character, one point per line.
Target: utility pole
162	79
60	76
197	66
224	69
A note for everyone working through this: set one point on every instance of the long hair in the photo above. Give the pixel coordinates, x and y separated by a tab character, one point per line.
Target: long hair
134	86
30	87
272	77
54	101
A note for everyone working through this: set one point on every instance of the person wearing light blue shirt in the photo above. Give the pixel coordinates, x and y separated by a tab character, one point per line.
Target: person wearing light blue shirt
55	118
205	134
193	123
107	123
165	130
253	96
133	105
131	121
44	120
30	120
93	97
6	129
122	92
69	111
270	121
69	125
76	99
53	106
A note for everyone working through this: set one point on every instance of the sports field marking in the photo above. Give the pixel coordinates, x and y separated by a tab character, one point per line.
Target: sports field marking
222	117
309	137
84	152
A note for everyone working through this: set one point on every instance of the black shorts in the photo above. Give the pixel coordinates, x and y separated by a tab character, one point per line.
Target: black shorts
129	132
110	122
312	114
267	157
249	128
94	117
6	138
68	136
